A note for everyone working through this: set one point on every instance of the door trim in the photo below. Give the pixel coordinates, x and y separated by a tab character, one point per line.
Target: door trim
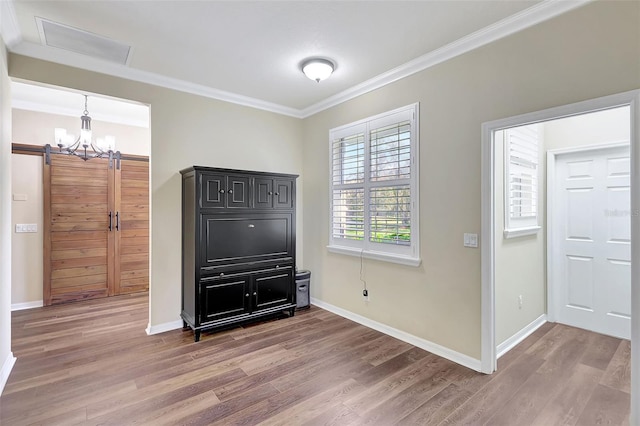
487	326
553	299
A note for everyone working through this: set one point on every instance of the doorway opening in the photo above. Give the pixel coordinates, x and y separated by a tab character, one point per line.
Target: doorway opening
562	231
81	227
629	101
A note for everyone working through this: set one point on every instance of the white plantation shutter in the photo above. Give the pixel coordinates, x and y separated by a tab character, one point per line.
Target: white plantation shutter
390	186
522	154
348	214
348	160
391	152
347	169
374	191
390	214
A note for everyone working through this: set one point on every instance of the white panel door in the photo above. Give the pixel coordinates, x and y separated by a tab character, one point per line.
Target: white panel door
592	240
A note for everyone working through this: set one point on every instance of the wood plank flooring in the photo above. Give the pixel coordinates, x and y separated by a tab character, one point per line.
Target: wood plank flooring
91	363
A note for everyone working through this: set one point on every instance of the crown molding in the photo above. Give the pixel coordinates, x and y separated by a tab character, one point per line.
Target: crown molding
75	60
540	12
543	11
9	28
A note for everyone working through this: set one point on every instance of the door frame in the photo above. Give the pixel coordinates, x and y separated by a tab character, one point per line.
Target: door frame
553	298
488	359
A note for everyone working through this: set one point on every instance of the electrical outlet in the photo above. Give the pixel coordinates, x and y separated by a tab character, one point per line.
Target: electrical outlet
365	295
520	300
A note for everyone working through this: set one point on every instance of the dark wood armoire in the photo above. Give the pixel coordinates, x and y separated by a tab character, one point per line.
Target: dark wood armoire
238	246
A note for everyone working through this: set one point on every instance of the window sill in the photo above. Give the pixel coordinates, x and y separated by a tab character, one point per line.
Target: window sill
521	232
376	255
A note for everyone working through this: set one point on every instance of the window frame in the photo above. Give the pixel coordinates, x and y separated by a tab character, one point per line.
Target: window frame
519	227
395	253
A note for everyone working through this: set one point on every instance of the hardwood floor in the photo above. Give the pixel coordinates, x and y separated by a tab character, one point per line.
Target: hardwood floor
92	363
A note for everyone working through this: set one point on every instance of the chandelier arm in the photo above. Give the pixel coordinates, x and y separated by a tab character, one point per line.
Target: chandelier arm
96	149
71	149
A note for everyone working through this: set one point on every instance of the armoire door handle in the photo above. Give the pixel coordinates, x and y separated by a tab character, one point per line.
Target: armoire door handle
117	221
110	220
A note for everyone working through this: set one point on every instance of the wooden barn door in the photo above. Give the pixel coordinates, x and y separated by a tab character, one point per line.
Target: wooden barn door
132	238
77	241
96	228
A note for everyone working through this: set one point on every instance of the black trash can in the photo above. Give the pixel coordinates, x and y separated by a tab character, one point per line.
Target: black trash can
303	281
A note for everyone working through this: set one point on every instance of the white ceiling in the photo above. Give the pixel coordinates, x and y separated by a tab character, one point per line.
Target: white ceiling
250	52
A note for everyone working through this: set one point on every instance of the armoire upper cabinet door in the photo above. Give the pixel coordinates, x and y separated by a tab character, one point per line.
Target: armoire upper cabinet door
263	193
238	193
213	190
283	194
224	191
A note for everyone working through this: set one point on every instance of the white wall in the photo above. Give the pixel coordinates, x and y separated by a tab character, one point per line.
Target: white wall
36	128
609	126
557	62
185	130
26	248
519	261
6	357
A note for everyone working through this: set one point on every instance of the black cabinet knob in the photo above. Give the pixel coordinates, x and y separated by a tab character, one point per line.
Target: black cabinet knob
255	293
230	191
222	191
247	295
221	274
277	193
270	193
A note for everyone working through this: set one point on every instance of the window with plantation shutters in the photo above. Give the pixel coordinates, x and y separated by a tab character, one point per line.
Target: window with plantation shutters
522	153
374	187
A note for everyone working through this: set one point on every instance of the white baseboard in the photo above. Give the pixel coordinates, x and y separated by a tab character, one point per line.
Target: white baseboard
161	328
27	305
512	341
434	348
6	370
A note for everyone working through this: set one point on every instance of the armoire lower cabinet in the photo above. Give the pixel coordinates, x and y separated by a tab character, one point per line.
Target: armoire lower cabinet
238	246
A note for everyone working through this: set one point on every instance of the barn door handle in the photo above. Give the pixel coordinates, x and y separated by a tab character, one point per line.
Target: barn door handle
110	220
117	221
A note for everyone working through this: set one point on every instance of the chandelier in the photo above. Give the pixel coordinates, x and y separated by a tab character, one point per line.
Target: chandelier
83	146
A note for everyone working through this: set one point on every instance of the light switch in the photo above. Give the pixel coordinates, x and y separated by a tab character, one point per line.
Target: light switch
471	240
19	197
26	227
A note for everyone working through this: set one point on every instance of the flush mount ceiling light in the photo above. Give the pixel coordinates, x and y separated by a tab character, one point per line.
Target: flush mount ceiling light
317	68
